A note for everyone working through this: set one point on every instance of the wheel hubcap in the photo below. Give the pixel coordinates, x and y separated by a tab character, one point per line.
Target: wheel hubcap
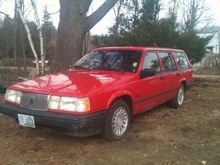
180	96
120	121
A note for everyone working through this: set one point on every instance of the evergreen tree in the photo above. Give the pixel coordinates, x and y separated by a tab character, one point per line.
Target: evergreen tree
140	26
6	35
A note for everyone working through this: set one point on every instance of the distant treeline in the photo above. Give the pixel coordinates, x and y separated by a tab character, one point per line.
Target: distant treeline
14	44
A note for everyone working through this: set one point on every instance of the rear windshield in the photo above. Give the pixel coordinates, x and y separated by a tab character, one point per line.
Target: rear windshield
113	60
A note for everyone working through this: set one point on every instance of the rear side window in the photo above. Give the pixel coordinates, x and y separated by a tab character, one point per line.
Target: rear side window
151	61
181	60
167	62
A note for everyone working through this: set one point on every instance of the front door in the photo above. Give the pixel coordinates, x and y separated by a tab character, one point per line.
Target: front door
149	87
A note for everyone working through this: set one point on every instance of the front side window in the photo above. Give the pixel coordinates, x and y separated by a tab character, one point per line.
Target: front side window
116	60
151	62
167	62
181	60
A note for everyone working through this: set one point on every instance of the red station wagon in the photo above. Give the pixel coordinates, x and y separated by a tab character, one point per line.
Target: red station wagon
102	91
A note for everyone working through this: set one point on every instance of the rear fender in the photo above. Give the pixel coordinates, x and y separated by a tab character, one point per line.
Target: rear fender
182	80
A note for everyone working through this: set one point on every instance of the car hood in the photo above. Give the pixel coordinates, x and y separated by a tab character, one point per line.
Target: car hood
79	83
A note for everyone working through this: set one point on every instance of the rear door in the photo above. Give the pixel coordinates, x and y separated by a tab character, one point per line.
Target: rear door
169	75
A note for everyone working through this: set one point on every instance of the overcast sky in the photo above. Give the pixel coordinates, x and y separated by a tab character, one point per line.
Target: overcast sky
102	27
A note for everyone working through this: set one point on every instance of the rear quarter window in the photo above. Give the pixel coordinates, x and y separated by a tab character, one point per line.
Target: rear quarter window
181	60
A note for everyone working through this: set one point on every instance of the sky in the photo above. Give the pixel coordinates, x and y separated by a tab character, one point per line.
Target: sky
102	27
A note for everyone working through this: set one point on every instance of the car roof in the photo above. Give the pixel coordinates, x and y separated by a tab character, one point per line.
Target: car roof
138	48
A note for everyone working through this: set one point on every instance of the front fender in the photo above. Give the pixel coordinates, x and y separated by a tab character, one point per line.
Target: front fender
117	95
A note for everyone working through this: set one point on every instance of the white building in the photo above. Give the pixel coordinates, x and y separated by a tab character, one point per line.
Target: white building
213	51
214	44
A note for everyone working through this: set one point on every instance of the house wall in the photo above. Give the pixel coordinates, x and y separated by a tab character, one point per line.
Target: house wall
214	43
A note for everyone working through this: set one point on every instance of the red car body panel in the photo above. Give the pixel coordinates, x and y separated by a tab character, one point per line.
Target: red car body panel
103	87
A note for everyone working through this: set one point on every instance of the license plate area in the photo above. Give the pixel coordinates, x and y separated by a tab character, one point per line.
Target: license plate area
26	121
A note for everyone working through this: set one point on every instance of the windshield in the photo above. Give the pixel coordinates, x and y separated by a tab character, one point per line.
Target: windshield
116	60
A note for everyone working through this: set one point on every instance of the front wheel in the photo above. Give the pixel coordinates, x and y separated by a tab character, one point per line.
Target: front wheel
118	121
179	99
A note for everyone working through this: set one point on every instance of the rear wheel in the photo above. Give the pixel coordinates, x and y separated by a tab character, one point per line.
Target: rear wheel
179	99
118	121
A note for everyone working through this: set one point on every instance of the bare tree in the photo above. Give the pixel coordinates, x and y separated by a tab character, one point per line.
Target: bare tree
42	52
151	10
173	9
218	56
15	32
194	12
117	12
24	21
126	12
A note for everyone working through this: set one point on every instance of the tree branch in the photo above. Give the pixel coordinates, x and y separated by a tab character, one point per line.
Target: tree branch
85	6
95	17
5	14
29	36
42	54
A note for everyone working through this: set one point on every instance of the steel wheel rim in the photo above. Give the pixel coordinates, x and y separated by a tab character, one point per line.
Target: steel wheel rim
120	121
181	96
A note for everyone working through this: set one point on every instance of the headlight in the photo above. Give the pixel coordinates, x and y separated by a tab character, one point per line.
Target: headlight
13	96
69	104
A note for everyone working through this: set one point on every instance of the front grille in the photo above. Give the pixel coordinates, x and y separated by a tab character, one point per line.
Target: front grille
34	101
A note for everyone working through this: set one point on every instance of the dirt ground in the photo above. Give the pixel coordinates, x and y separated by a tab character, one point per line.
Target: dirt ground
162	136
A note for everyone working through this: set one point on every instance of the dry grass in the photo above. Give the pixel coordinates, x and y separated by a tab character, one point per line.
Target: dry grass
164	135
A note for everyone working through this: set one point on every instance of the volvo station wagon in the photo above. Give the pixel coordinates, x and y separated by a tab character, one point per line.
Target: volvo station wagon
101	92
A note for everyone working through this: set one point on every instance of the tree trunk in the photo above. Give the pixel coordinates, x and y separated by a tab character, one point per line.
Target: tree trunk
15	35
21	36
29	39
23	50
73	26
70	34
219	43
42	54
117	13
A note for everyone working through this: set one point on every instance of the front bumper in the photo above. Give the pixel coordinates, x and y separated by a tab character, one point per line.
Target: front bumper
76	125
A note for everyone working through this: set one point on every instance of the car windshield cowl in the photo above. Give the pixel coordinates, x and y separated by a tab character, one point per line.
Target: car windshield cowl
109	69
99	68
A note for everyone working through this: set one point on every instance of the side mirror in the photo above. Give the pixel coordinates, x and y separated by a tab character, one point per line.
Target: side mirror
147	73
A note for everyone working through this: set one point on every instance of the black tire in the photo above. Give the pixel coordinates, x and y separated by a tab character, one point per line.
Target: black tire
108	132
176	103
